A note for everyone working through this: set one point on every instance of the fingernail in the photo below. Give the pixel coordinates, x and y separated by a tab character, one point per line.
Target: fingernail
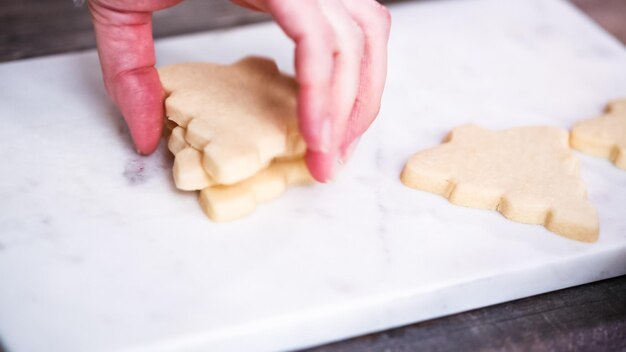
333	171
348	151
326	136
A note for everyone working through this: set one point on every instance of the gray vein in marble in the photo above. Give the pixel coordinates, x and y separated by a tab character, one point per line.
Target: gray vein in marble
381	230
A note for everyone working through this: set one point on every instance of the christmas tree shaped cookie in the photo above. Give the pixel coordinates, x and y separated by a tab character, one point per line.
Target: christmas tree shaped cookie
528	174
236	138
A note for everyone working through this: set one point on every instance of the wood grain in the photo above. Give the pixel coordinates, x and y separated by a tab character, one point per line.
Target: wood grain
591	317
30	28
610	14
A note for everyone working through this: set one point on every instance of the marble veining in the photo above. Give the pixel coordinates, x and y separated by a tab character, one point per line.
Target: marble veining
99	252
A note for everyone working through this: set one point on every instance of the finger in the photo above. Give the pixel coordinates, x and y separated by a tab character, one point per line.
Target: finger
126	53
304	22
328	53
375	22
345	79
346	63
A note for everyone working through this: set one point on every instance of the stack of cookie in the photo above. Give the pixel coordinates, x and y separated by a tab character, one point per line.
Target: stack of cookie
236	137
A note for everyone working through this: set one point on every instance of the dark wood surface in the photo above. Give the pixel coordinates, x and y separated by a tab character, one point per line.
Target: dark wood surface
30	28
591	317
610	14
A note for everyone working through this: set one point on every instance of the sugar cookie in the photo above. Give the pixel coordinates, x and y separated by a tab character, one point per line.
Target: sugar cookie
236	137
240	116
230	202
528	174
604	136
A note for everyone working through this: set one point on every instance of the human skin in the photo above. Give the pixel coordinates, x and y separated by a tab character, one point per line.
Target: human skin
340	65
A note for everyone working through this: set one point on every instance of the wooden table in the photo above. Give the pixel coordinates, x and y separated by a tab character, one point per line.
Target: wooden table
588	317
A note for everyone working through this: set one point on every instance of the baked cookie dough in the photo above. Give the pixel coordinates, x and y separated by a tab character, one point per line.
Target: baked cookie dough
236	138
529	174
604	136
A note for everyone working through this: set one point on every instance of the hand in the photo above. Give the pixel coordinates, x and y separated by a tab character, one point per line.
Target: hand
341	65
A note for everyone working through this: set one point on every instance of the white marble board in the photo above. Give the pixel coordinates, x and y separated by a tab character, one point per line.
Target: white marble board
99	252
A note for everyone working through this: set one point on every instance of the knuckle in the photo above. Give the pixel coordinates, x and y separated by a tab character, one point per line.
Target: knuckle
356	41
381	15
384	16
358	35
329	37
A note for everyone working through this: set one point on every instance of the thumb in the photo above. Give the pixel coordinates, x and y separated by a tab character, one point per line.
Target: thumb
126	51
